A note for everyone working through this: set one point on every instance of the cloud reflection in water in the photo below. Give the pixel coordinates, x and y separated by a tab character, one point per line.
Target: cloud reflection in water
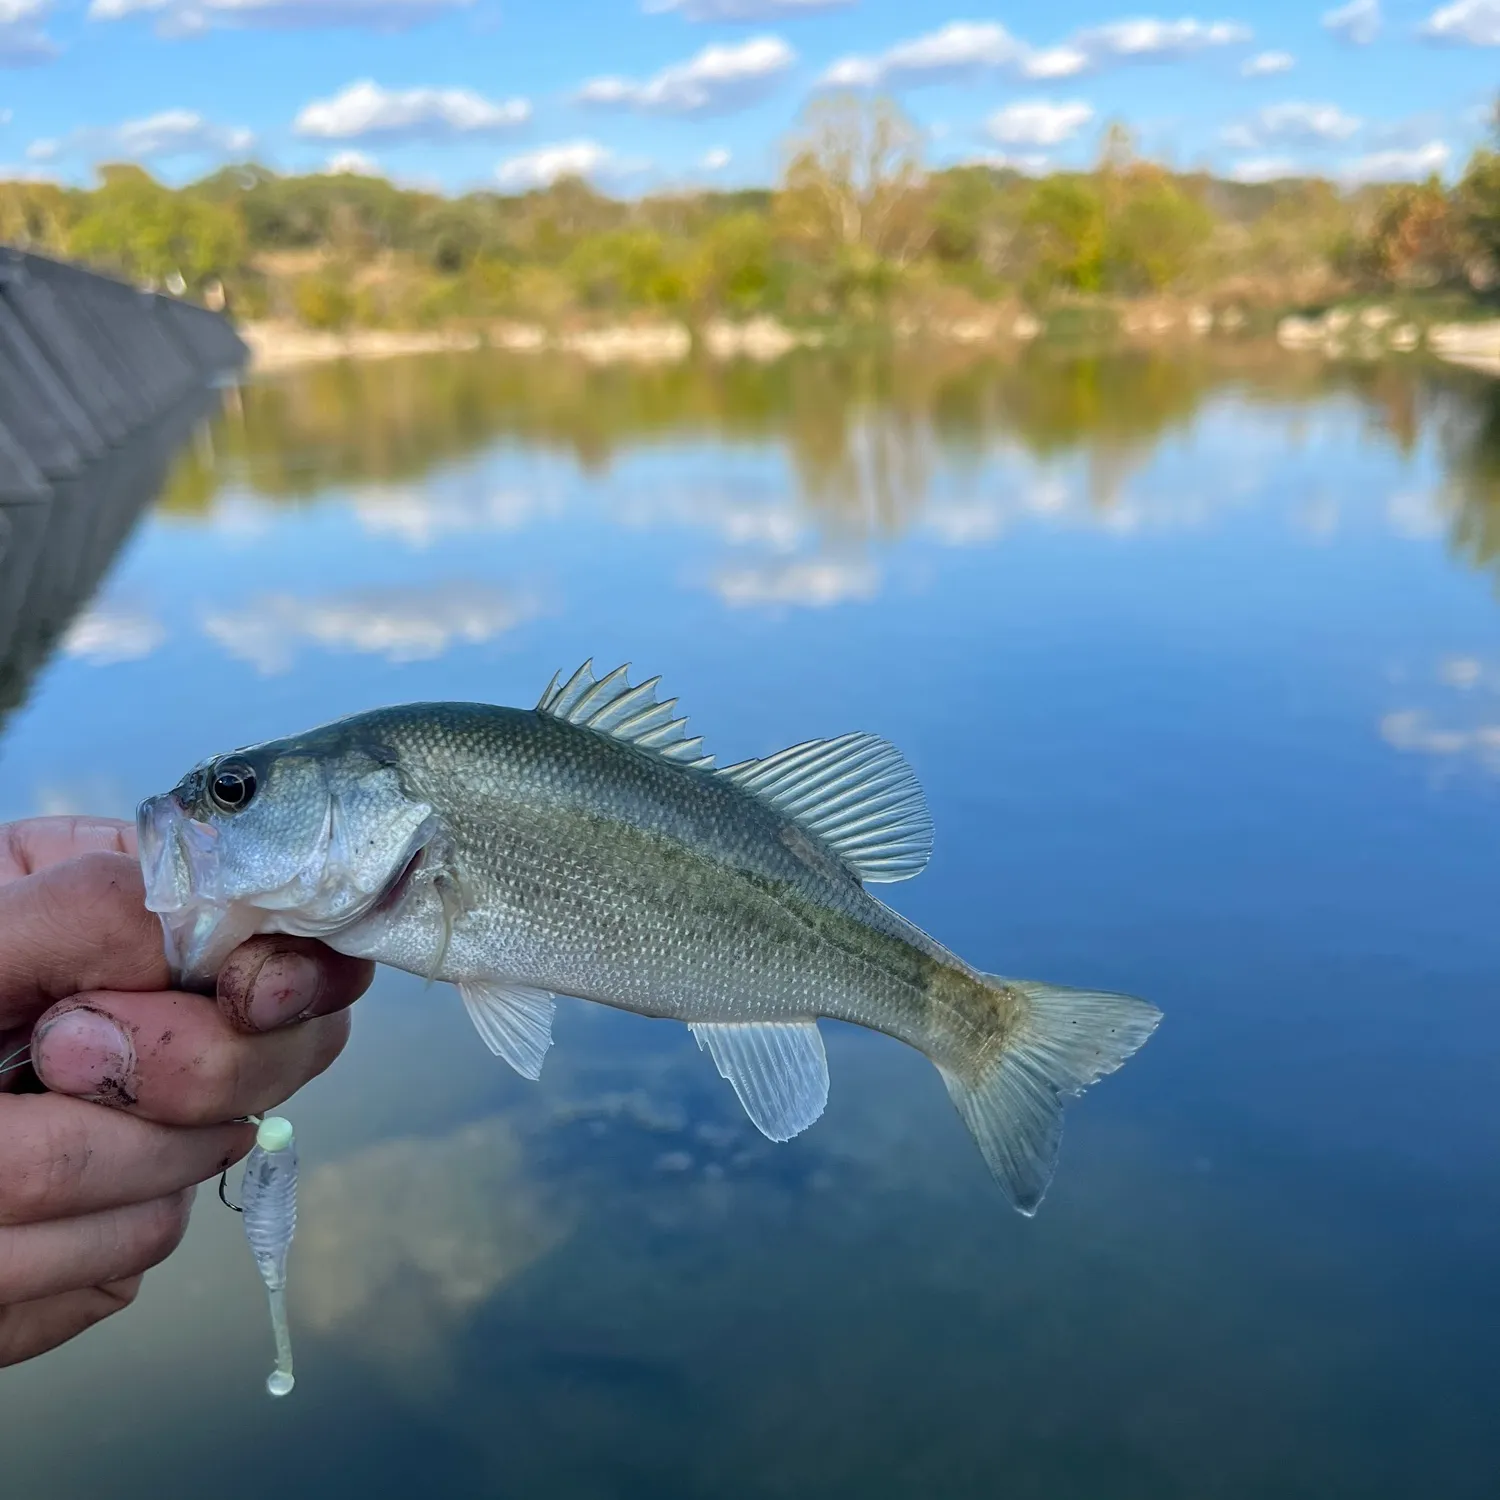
438	1224
399	624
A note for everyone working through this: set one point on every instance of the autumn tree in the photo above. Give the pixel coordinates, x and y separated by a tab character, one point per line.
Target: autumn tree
1413	242
854	195
1476	203
35	215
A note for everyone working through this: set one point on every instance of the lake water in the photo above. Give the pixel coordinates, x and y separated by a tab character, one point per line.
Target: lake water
1198	658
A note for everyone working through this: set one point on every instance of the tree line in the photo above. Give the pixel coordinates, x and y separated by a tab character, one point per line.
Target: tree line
858	227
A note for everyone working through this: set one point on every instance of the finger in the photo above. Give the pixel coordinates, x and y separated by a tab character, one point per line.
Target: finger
65	1157
66	1255
32	1328
269	981
35	843
81	925
173	1057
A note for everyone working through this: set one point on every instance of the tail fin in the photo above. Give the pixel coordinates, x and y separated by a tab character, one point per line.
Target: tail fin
1064	1041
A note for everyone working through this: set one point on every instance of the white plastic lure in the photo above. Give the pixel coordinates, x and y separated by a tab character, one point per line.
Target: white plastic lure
270	1207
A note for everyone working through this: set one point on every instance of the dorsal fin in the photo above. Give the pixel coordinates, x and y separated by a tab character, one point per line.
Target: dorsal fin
609	705
856	794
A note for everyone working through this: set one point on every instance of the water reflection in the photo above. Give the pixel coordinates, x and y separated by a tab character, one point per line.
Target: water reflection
864	438
1198	660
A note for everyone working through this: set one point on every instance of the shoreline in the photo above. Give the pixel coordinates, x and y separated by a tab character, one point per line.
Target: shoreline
1371	331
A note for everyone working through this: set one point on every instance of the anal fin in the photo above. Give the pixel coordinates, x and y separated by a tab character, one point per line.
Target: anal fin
515	1021
778	1068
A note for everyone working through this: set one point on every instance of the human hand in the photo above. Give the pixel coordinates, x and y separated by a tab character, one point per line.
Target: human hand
144	1083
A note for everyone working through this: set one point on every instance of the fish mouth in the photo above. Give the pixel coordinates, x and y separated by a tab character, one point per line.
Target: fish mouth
180	867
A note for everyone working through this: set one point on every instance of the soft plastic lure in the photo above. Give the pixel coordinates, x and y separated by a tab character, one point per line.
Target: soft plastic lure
270	1207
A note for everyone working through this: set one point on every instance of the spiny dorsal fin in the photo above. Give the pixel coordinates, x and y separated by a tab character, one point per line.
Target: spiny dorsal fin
609	705
856	794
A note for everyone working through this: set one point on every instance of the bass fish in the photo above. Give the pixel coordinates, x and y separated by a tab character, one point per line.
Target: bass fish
589	847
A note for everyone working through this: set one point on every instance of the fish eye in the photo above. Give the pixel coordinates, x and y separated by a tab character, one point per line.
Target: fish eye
232	786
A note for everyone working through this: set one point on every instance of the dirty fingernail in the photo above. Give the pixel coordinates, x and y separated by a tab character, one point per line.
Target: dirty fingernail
288	983
84	1052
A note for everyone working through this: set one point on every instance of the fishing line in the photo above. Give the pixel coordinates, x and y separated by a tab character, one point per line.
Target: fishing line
20	1058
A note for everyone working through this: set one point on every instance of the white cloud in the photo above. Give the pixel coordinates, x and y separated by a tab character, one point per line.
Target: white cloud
718	78
105	636
193	17
356	163
1038	122
1264	169
715	159
969	47
1475	22
1055	62
742	10
22	37
545	165
365	109
419	516
400	625
1392	166
172	132
959	47
178	132
812	584
1313	123
1264	64
1358	22
1148	38
1412	731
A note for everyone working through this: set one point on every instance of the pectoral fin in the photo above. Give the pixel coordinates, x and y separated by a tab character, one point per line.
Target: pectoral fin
778	1069
514	1020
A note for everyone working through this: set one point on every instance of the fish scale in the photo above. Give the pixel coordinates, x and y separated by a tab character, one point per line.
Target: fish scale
588	847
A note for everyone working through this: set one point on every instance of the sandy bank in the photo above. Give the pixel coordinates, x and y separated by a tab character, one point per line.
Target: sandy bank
1337	333
279	346
1474	344
1373	330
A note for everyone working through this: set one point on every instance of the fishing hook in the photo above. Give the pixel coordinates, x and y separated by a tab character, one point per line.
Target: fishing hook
224	1175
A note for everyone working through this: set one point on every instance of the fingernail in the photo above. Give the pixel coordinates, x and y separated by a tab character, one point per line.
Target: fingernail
287	985
84	1052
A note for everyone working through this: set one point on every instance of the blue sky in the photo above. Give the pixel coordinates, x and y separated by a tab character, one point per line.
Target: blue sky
475	93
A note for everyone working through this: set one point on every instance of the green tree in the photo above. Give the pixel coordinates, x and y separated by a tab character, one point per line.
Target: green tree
626	268
324	301
134	225
735	265
1064	220
1154	233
